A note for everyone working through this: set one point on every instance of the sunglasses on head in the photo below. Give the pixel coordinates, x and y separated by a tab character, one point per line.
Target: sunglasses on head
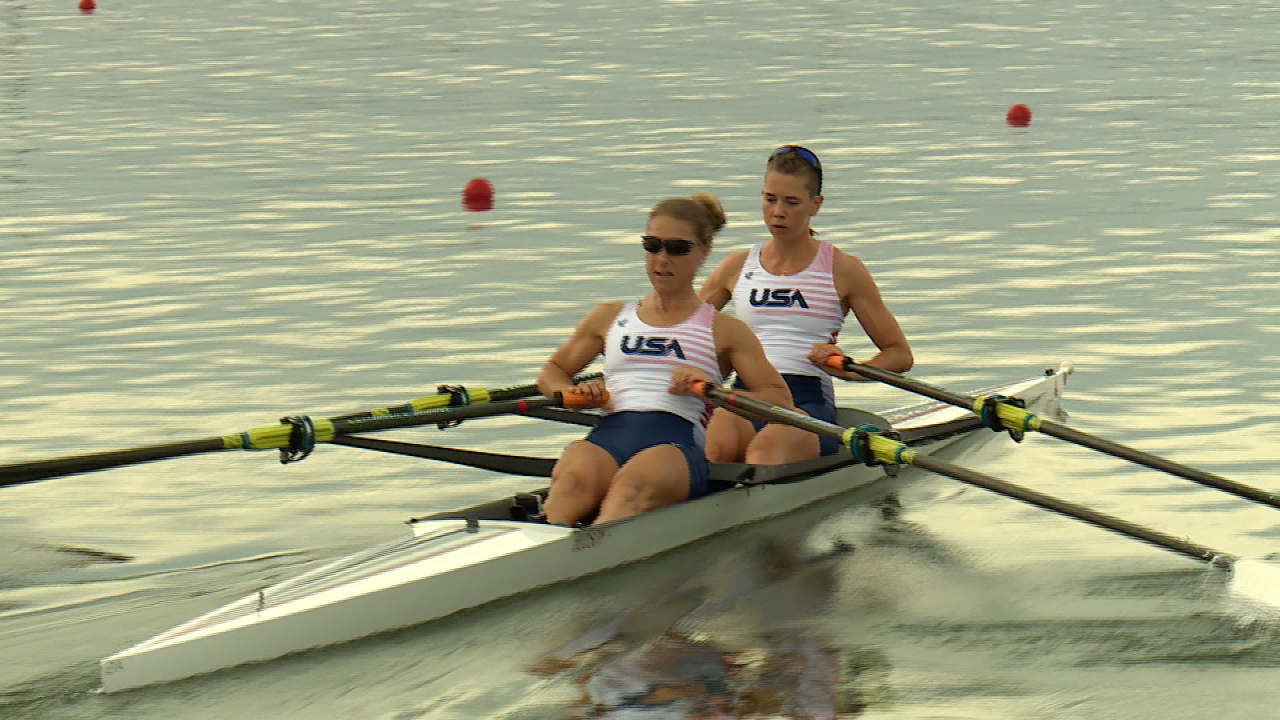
673	247
805	154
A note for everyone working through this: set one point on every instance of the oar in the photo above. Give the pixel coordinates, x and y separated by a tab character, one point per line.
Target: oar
511	464
447	395
294	437
1255	580
999	414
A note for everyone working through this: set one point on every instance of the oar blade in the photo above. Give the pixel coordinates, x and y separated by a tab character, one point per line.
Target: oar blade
1255	585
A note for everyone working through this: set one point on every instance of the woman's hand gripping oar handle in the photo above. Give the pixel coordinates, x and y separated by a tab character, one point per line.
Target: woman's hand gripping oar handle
577	400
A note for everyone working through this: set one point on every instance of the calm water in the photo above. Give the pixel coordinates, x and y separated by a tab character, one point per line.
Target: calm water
212	214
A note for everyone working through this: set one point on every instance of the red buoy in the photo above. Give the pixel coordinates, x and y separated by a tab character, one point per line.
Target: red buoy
1018	116
477	196
87	6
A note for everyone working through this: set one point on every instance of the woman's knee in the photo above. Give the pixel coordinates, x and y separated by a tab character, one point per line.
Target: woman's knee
778	444
576	490
727	441
569	479
723	450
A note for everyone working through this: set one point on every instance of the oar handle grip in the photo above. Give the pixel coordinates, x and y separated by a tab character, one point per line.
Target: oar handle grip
839	362
577	399
717	393
702	388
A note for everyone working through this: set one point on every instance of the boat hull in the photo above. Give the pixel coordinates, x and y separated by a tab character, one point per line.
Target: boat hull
448	564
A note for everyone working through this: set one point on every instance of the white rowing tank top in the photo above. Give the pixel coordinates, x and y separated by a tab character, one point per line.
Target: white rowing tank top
790	313
639	359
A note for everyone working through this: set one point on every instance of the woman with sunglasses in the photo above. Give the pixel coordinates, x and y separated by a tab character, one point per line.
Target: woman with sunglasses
794	291
648	450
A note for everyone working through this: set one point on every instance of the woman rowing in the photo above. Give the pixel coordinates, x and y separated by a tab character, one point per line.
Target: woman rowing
648	450
794	291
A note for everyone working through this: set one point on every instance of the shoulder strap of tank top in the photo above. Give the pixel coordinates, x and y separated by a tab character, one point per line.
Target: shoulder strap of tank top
825	258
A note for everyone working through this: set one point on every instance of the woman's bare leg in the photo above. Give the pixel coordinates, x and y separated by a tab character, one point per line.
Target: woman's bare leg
776	444
579	482
654	477
728	436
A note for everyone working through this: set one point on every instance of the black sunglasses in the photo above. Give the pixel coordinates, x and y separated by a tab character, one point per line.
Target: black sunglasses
674	248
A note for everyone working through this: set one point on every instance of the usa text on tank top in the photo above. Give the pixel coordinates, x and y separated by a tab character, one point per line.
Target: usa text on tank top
639	359
789	313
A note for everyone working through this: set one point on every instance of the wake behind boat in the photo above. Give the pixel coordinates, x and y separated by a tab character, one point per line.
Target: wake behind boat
454	561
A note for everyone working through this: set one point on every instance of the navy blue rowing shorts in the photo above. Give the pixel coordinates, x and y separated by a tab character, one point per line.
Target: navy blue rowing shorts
808	393
623	434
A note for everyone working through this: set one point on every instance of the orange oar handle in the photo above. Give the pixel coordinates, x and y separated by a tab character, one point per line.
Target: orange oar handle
838	361
705	389
576	399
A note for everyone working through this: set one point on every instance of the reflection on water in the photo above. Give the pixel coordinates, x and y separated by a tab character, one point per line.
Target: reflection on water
664	657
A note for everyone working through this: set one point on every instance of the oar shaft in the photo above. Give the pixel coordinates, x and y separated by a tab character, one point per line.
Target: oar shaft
1019	419
522	391
1062	432
889	451
343	426
1079	512
745	405
270	437
888	377
28	472
509	464
445	399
